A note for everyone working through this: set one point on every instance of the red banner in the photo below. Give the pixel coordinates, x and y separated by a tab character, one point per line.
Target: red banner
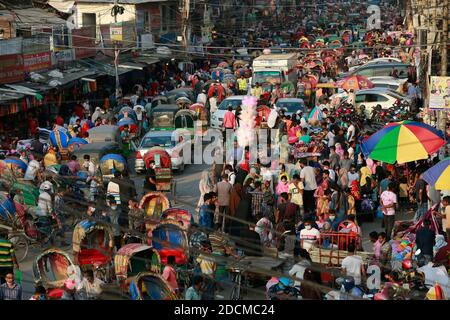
82	40
37	61
11	68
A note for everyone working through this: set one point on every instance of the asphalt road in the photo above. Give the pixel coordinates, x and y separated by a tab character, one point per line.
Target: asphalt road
187	195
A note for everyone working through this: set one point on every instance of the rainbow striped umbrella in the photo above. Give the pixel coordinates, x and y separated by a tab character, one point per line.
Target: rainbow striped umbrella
403	142
315	114
439	175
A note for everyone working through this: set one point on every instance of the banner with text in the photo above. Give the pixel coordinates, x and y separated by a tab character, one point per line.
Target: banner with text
440	93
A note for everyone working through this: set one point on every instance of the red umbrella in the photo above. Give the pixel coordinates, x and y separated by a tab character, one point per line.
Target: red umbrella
355	82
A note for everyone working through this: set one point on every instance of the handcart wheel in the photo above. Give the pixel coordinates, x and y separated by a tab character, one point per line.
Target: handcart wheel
20	244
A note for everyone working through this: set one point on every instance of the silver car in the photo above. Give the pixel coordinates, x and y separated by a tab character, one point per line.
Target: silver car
173	141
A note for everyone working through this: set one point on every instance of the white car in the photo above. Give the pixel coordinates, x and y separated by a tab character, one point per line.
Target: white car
376	61
392	83
372	97
217	117
172	141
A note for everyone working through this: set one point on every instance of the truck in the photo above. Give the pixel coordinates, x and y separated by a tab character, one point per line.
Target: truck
275	68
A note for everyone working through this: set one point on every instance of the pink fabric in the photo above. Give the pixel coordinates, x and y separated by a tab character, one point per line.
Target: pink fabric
229	120
377	249
170	275
281	187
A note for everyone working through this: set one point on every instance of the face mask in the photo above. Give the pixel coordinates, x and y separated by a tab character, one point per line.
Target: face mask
227	171
252	185
114	207
308	227
332	218
92	210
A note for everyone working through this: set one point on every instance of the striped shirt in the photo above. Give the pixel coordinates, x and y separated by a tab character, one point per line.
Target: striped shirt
6	254
218	242
14	293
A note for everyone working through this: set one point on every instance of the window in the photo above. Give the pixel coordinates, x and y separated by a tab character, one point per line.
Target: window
228	102
360	98
89	19
381	98
365	72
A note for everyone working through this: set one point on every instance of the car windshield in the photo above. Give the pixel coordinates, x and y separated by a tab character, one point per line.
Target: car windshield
291	106
267	76
229	102
162	141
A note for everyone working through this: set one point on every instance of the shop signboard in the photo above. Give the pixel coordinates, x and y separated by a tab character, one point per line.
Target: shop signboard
115	30
83	42
440	93
37	61
11	68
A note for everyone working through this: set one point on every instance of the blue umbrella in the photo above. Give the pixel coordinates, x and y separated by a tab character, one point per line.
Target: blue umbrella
76	141
59	138
17	162
125	121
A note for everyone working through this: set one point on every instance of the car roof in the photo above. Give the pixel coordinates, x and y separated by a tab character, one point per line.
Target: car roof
158	133
166	107
235	98
290	100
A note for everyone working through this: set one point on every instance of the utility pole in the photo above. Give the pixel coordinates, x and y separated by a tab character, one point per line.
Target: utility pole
116	54
185	24
444	43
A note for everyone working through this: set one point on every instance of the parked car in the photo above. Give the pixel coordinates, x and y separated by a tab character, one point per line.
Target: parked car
173	141
381	69
291	105
388	83
376	61
372	97
217	117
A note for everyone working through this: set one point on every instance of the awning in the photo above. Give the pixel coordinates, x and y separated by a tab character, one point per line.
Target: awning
104	67
61	5
6	96
146	60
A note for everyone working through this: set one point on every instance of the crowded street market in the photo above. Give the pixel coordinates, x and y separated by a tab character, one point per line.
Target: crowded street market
299	156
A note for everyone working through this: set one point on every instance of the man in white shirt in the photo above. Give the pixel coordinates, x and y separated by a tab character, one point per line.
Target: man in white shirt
201	98
88	165
309	236
308	177
352	175
296	191
353	265
350	131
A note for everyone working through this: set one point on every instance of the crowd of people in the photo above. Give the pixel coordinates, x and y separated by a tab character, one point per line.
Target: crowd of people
295	204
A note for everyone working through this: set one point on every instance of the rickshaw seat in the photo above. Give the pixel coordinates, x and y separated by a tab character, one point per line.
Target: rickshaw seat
180	257
55	293
92	256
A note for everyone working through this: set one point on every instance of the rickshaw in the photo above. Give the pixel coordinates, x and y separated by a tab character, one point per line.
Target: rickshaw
217	74
185	119
92	243
133	258
50	271
170	239
163	168
16	166
75	143
111	163
131	124
151	286
29	191
162	117
262	114
183	102
59	139
238	64
288	88
174	94
201	116
154	204
156	101
182	216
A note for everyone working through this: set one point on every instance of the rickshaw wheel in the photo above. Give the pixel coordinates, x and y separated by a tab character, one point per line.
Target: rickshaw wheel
20	243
